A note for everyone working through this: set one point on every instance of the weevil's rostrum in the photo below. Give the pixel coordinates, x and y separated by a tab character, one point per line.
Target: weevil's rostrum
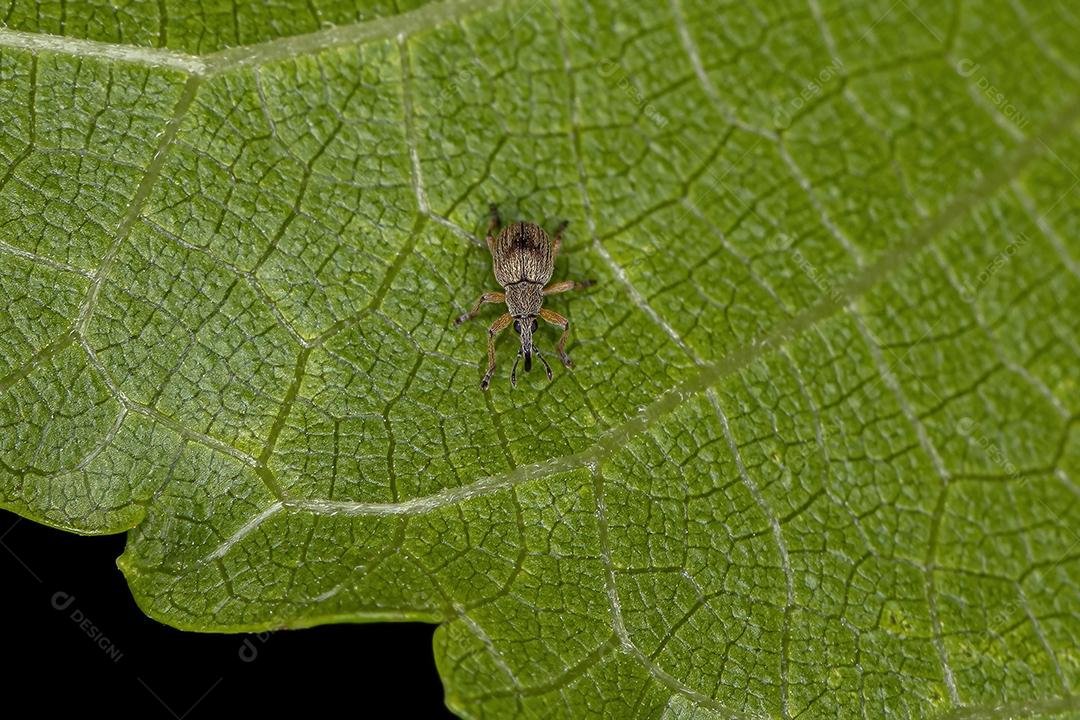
523	258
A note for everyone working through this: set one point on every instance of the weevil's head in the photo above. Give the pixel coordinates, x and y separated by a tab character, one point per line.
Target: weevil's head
525	326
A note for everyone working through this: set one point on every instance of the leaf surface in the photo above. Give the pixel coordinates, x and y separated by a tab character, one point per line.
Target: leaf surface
820	450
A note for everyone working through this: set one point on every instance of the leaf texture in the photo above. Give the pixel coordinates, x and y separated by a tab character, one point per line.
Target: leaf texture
819	455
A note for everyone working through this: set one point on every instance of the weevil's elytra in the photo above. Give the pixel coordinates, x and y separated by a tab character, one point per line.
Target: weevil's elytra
523	258
523	253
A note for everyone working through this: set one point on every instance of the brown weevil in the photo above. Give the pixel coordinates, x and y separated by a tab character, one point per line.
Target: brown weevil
523	258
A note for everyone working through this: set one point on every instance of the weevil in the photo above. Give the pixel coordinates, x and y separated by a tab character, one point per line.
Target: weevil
523	258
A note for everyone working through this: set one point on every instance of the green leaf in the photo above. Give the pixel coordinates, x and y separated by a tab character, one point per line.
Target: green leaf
819	454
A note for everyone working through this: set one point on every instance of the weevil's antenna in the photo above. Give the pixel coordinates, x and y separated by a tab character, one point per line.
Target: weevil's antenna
513	371
543	360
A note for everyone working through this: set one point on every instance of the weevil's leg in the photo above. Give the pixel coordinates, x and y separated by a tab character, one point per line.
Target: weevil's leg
559	321
513	370
567	286
493	227
556	244
497	327
543	359
489	297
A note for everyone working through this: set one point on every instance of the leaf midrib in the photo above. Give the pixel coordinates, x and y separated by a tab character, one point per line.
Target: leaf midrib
209	64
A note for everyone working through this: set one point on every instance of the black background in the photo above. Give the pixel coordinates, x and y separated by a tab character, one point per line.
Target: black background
160	672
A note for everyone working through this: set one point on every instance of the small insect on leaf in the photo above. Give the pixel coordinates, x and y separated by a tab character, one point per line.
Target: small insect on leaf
523	258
